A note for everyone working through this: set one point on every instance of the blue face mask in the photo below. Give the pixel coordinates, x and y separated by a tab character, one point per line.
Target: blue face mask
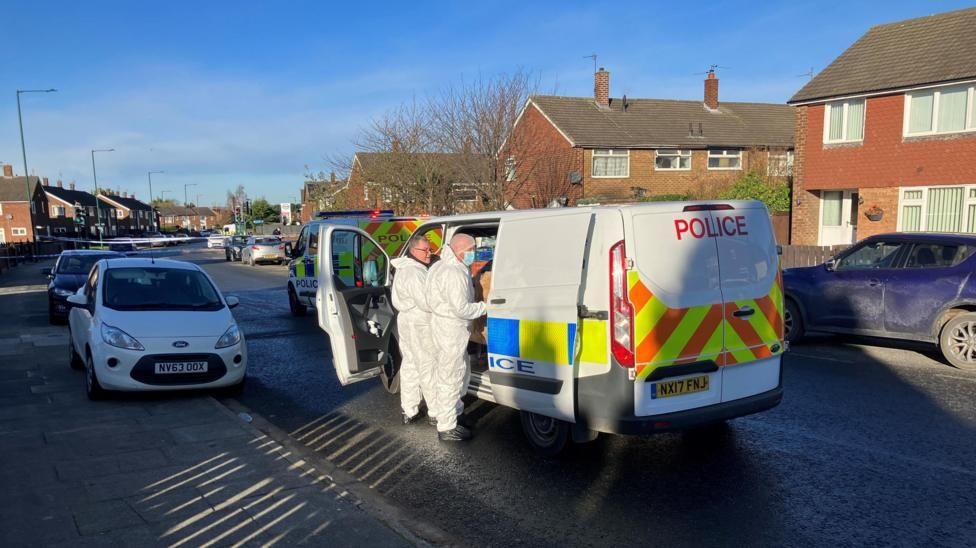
468	259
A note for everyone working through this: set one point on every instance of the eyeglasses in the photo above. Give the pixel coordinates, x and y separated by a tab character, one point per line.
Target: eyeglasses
422	249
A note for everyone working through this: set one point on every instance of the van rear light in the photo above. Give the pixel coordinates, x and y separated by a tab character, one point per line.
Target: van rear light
708	207
621	310
254	247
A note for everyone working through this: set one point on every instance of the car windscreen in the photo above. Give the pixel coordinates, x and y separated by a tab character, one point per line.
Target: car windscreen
151	288
78	264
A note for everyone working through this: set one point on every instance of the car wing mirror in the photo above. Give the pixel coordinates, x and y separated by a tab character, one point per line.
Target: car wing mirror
288	249
78	300
232	301
46	272
830	265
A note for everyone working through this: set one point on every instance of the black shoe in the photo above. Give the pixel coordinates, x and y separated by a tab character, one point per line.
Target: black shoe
409	420
459	433
431	420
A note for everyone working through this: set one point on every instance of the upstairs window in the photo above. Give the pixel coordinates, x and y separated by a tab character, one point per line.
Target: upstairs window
940	110
510	169
844	121
58	211
611	163
724	159
672	160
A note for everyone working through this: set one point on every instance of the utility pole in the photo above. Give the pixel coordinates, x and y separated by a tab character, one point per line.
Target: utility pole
95	190
23	150
152	208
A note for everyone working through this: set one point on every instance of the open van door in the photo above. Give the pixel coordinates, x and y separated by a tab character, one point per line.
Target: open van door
353	301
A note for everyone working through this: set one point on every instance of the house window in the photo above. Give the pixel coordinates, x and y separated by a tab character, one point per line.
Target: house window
672	160
510	169
844	121
940	110
725	159
937	209
118	214
18	231
58	211
611	163
780	163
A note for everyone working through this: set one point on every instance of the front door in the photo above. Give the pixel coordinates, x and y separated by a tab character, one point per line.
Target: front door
353	301
838	217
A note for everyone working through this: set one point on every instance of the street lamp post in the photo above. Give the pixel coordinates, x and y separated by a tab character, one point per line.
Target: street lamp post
23	150
95	190
152	208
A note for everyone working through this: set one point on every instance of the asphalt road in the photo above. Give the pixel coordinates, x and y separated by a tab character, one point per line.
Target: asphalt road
871	445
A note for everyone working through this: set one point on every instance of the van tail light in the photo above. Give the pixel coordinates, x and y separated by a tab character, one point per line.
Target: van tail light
254	247
621	310
708	207
281	248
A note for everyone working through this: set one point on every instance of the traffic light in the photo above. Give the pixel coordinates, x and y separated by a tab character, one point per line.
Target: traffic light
237	212
247	206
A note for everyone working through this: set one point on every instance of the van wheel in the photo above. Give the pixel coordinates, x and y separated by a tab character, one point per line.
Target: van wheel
792	322
548	436
297	308
958	341
390	373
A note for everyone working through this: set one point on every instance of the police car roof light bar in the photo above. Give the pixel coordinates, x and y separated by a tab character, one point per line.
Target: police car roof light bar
356	213
708	207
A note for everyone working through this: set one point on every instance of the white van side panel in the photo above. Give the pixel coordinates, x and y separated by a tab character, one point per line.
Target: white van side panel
593	334
533	312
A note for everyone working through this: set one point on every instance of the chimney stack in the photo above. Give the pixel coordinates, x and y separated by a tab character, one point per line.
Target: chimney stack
125	194
711	90
601	88
8	170
332	177
46	182
71	185
60	184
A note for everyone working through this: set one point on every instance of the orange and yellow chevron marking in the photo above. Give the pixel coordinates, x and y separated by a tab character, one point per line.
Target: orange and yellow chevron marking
669	336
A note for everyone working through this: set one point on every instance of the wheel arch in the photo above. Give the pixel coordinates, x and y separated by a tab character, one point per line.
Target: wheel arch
947	313
787	296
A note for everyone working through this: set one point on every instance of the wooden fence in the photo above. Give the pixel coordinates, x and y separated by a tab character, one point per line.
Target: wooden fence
808	255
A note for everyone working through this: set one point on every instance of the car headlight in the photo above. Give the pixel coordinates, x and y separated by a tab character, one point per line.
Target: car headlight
230	337
62	292
114	336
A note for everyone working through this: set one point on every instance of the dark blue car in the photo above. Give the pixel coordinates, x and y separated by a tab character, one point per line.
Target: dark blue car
910	286
69	273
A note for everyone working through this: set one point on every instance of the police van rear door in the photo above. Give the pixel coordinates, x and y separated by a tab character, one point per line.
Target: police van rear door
753	293
533	310
353	301
674	289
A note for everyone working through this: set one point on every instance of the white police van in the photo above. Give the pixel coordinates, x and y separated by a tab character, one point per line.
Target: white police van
626	319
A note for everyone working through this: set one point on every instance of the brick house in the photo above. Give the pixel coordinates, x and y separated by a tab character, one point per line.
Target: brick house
364	188
319	196
15	214
190	218
133	216
71	213
565	149
886	135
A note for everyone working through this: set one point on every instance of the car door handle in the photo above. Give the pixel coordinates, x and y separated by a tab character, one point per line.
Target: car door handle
874	282
498	301
744	312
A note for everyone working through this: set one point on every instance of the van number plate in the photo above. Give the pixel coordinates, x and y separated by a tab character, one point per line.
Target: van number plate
680	387
181	367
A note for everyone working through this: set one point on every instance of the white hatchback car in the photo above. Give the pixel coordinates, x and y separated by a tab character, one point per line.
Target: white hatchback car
142	324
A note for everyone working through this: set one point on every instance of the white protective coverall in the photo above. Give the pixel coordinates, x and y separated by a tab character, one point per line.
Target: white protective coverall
413	326
450	295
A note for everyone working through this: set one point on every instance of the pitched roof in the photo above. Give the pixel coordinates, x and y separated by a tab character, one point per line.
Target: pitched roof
182	211
652	123
128	202
369	160
72	196
12	189
927	50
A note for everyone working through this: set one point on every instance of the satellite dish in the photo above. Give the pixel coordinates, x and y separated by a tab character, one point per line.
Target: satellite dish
575	177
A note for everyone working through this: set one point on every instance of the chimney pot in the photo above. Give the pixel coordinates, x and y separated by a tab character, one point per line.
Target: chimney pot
71	185
8	170
60	184
711	90
46	182
601	88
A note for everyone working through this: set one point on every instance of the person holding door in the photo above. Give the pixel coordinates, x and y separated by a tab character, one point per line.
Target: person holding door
413	325
450	295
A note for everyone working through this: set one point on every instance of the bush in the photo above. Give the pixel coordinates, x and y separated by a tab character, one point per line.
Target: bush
668	198
752	186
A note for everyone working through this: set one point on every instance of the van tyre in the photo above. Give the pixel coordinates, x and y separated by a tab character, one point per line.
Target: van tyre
93	389
958	341
73	358
548	436
792	322
297	309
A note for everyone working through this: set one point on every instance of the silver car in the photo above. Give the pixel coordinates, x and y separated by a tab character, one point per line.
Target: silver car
263	249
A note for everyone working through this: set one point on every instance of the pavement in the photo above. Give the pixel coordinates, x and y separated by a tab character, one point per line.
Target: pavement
873	444
162	469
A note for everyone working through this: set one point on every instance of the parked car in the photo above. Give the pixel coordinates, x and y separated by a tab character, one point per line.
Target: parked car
68	274
266	249
158	239
142	324
909	286
217	241
122	245
233	247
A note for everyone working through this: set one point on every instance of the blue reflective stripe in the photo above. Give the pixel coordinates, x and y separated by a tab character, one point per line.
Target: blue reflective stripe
503	337
571	340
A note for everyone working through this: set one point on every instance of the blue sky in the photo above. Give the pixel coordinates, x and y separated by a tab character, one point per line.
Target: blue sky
221	93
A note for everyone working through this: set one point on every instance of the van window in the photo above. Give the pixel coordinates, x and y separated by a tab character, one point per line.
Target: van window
356	260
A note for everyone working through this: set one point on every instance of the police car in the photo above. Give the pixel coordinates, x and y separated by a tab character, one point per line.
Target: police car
626	319
387	230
